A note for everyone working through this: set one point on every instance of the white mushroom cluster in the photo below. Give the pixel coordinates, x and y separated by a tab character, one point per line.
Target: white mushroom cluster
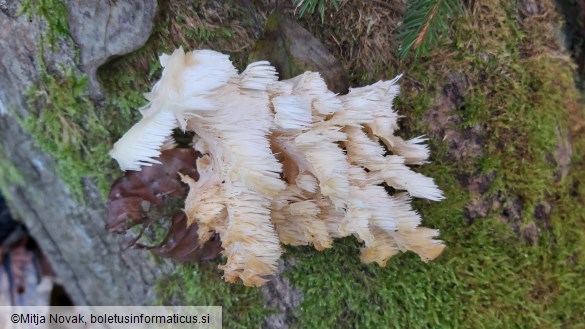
285	162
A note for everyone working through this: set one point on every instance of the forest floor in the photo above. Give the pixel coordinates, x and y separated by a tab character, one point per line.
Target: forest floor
498	100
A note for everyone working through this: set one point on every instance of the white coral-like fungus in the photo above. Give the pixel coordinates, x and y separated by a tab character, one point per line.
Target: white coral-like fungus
285	162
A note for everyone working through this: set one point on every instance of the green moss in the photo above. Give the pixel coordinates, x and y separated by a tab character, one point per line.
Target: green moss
10	175
72	128
62	119
76	132
202	285
54	13
488	276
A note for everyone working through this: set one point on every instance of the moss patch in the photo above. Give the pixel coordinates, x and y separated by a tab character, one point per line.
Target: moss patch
63	120
9	174
520	97
54	13
201	284
78	134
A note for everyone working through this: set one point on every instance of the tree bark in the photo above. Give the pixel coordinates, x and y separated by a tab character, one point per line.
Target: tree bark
90	262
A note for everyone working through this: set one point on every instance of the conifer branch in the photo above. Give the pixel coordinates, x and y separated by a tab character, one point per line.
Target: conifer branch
310	6
424	23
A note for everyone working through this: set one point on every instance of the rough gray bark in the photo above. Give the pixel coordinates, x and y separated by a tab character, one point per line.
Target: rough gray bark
89	261
103	29
281	296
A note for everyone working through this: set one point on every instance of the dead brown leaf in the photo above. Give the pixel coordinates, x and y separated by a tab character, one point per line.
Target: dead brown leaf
140	198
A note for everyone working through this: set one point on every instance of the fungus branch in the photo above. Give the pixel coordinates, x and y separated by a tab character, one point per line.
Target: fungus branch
285	162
